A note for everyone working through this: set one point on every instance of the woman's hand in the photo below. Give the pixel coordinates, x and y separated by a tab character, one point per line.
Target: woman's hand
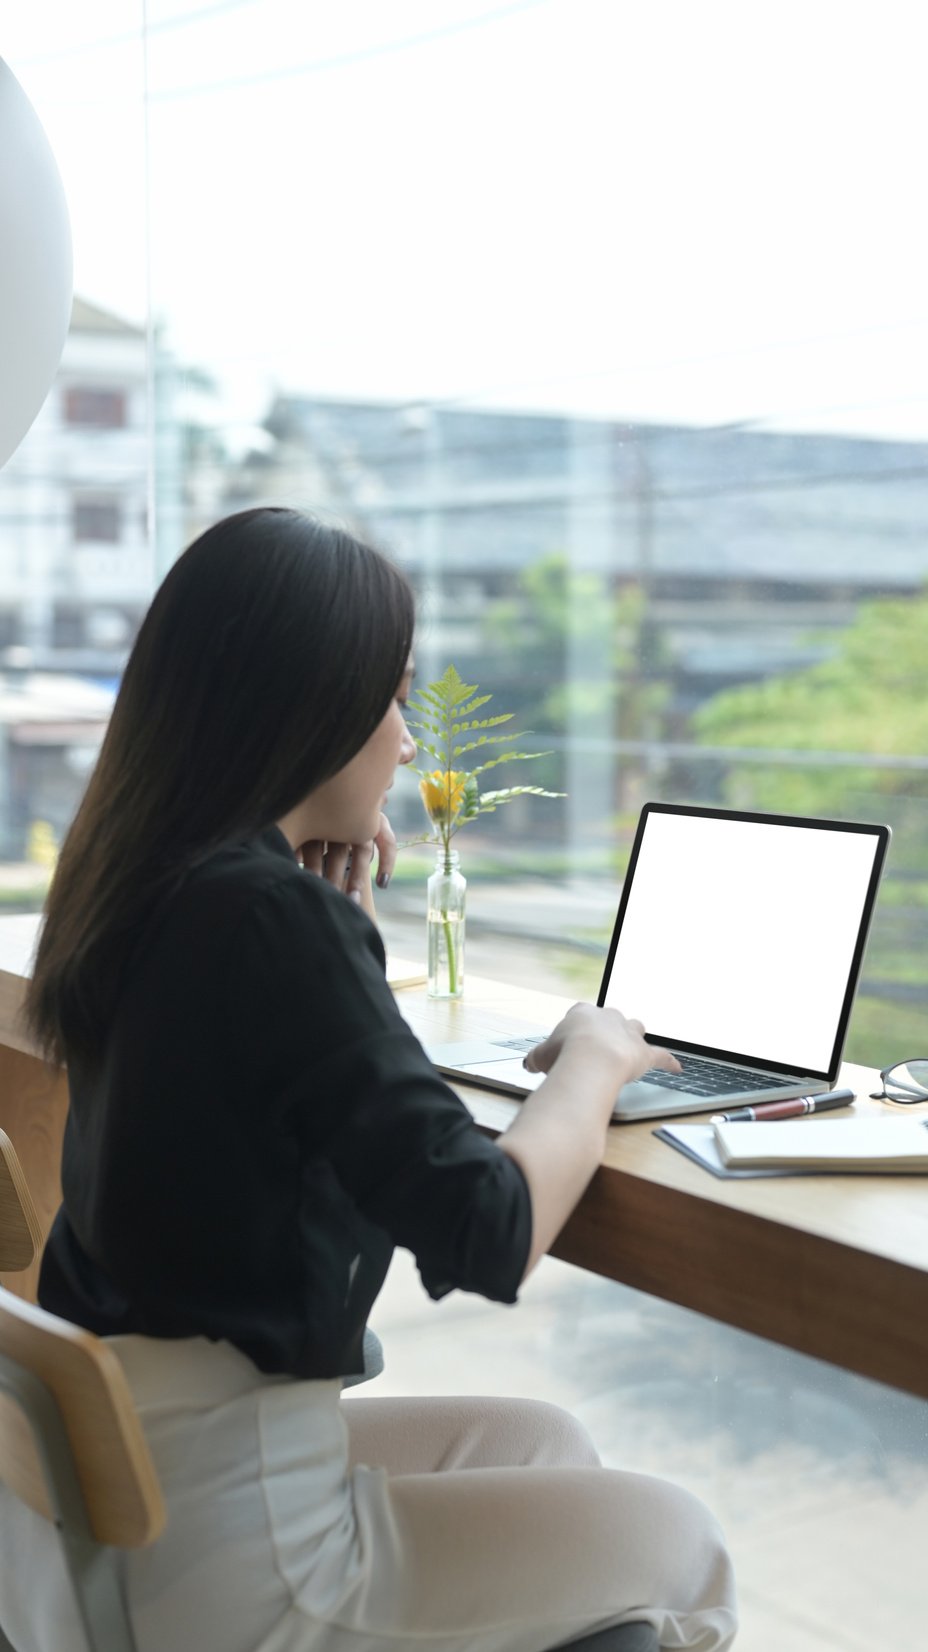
602	1034
349	866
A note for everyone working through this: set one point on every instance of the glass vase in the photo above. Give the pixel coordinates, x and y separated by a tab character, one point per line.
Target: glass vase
446	897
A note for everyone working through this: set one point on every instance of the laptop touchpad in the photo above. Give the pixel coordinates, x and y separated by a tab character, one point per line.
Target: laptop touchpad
466	1053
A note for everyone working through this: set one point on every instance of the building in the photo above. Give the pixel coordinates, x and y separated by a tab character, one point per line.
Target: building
746	551
77	569
76	564
743	542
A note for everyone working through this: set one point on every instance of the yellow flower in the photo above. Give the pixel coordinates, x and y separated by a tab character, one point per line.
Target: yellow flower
442	792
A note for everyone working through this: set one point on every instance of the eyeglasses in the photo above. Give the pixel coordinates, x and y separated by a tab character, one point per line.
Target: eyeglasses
906	1083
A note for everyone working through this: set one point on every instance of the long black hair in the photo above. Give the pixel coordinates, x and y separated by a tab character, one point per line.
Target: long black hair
268	657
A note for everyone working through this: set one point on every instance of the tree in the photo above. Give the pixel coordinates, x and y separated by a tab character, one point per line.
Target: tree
870	696
585	652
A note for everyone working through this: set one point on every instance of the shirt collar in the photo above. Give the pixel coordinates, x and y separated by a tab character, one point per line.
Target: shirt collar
272	839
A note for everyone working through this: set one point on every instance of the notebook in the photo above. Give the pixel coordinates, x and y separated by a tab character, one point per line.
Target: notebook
875	1145
738	942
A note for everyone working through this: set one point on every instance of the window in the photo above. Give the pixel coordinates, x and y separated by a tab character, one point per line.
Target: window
96	521
628	369
95	409
626	378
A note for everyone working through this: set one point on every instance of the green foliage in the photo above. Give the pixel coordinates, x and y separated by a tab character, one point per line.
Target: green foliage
615	655
870	696
443	711
583	654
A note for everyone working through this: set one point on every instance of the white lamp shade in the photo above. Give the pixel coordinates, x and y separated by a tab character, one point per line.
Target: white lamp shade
35	264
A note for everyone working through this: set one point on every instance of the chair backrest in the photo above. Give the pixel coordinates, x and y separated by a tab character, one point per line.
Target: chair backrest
71	1444
21	1233
115	1472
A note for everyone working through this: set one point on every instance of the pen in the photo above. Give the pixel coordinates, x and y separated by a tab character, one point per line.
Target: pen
793	1109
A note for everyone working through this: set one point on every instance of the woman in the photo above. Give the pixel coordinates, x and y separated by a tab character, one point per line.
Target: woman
253	1128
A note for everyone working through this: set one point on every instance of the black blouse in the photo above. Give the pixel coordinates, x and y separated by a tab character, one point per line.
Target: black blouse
261	1131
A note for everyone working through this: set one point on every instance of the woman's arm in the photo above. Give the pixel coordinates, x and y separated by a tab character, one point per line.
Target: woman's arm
558	1137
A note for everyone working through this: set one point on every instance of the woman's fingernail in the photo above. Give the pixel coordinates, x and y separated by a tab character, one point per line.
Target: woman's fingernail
383	878
355	895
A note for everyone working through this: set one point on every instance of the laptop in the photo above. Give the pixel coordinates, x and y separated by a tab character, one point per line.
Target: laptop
738	942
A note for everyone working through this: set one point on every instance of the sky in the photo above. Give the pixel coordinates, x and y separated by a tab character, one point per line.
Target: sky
698	211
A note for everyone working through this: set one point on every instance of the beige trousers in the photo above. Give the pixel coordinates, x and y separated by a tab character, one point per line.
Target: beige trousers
302	1521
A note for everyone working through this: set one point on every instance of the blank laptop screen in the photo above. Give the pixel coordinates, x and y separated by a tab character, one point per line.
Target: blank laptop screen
739	935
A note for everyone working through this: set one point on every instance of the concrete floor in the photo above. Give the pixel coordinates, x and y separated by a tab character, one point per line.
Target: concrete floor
819	1478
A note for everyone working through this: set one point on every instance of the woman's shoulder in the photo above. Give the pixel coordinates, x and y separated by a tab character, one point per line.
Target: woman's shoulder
258	886
245	943
271	935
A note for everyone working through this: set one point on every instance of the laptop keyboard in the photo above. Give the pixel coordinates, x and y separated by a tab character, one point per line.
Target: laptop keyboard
698	1078
709	1078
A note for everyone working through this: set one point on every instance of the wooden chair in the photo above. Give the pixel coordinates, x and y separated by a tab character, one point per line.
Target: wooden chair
21	1233
72	1446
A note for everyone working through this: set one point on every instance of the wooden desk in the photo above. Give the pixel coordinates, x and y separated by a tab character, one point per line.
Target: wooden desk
834	1266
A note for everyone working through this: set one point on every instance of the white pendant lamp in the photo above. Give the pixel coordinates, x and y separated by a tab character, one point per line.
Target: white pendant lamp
35	264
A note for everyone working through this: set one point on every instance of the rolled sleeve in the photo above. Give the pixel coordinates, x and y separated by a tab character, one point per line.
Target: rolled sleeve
428	1176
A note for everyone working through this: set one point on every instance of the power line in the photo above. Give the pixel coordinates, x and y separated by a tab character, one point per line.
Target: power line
622	492
776	757
569	436
628	492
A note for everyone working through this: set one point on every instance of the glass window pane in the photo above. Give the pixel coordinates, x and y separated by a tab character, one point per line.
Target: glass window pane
609	323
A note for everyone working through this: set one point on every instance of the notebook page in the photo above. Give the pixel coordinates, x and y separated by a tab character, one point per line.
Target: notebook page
851	1144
